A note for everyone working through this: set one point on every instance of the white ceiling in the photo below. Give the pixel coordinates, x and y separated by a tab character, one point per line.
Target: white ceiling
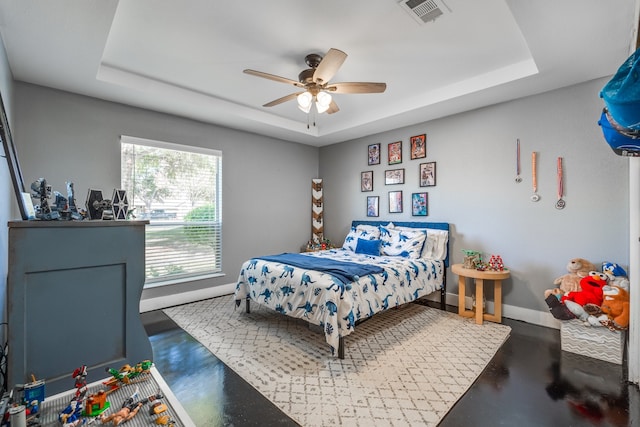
186	57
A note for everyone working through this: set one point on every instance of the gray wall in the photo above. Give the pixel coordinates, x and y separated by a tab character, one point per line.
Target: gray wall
266	199
266	182
476	192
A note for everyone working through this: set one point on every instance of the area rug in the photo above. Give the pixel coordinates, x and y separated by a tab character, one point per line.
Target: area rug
406	366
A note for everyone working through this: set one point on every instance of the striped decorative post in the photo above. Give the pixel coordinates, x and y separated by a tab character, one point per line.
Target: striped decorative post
317	220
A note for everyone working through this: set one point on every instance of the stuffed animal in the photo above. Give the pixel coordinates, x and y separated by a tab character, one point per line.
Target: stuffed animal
617	275
616	306
571	304
590	290
570	282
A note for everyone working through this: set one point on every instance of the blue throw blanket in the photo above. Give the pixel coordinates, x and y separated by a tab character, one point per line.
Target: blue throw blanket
343	271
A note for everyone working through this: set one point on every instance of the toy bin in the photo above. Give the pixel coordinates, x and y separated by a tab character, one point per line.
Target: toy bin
598	343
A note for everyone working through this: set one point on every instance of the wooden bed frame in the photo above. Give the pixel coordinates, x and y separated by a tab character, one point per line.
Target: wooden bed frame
412	224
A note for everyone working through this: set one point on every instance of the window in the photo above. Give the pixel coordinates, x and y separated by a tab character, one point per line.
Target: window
178	189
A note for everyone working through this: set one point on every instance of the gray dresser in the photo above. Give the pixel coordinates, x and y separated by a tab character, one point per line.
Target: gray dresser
73	298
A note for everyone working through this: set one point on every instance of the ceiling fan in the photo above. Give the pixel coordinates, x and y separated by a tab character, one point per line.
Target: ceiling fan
315	82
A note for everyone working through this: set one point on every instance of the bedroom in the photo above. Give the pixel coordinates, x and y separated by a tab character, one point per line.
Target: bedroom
55	127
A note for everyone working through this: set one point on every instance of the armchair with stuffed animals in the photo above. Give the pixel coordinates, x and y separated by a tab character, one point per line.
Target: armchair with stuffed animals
598	299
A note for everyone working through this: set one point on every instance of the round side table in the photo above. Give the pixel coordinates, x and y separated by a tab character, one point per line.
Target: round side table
480	277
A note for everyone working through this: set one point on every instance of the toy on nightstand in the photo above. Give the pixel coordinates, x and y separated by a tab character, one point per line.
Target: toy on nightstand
471	258
495	263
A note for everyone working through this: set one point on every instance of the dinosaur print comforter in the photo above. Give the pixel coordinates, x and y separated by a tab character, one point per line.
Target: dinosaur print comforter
323	299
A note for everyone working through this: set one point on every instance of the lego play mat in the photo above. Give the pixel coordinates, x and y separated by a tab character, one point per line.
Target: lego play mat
402	367
53	405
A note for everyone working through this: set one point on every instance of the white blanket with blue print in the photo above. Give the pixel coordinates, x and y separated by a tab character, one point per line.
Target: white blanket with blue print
318	297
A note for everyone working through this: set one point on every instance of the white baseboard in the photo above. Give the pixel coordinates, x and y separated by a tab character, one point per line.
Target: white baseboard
527	315
534	317
179	298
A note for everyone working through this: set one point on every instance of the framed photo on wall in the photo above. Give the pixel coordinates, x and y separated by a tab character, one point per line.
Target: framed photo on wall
395	201
418	146
373	154
427	174
420	204
395	152
373	205
394	176
366	181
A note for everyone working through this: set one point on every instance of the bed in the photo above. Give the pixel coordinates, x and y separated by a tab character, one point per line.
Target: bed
380	265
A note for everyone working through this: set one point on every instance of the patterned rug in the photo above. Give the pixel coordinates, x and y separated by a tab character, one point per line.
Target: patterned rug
406	366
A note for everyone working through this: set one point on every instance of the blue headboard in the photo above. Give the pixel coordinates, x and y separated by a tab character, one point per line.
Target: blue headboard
412	224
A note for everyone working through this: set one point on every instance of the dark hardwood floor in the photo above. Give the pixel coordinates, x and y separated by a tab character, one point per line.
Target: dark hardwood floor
529	382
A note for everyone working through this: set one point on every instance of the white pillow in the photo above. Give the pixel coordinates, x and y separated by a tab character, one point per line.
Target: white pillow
373	230
404	243
435	245
351	241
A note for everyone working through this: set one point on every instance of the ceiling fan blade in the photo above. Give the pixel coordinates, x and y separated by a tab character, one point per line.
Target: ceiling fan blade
333	108
283	99
356	87
273	77
329	66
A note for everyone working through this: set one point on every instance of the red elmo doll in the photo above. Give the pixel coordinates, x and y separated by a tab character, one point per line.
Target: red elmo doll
590	290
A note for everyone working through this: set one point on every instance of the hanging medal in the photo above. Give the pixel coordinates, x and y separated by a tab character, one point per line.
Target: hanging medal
560	204
534	178
518	178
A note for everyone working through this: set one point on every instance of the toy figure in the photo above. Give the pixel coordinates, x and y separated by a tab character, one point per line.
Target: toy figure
96	404
80	375
570	305
127	374
43	191
130	408
70	416
124	414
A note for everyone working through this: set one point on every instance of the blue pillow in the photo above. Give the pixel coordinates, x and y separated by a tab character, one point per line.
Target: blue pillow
368	247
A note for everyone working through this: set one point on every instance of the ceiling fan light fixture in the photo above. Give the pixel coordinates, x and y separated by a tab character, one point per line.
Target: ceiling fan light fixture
304	101
323	101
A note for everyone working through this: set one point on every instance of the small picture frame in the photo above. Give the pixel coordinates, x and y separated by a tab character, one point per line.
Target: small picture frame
395	201
420	204
366	181
395	152
373	154
373	205
394	176
418	146
428	174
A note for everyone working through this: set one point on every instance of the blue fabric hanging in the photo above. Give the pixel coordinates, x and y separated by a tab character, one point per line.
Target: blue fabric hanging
623	142
621	94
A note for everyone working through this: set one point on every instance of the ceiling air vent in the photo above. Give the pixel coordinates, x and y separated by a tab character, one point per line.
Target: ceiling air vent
424	11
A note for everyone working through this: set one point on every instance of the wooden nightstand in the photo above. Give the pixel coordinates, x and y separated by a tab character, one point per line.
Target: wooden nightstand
480	277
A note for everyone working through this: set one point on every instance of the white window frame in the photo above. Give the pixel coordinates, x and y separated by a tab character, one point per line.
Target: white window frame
163	281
